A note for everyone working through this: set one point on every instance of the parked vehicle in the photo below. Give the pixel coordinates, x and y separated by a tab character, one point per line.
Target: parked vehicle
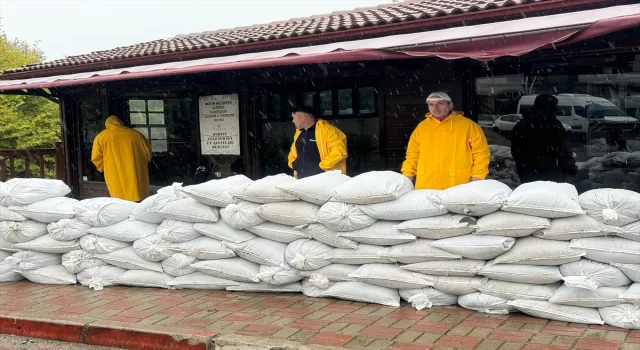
505	123
486	120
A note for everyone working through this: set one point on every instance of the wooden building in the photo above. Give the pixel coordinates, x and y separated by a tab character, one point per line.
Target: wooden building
368	71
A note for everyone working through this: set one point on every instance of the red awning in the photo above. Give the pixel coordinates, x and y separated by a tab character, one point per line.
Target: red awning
481	42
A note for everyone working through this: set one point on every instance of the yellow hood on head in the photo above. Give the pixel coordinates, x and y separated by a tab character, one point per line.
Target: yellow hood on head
113	121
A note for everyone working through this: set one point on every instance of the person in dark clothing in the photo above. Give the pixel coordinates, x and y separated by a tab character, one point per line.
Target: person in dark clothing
539	144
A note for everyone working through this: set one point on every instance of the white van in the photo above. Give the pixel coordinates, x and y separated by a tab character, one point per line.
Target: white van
579	111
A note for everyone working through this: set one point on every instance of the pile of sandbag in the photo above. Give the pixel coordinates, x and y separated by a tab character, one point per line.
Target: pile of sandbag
540	249
502	167
613	170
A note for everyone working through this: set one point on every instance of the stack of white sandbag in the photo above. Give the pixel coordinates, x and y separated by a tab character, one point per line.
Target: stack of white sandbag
27	207
502	167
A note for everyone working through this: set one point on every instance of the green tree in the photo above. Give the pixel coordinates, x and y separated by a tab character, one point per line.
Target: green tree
25	121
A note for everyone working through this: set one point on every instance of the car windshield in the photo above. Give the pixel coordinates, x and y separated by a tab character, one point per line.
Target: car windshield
599	111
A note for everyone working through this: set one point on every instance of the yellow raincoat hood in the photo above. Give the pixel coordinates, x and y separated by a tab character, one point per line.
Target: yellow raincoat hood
123	154
443	154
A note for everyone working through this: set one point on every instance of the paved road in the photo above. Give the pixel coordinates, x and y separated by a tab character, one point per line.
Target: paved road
12	342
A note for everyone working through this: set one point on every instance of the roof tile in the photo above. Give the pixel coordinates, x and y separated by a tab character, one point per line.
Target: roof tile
408	10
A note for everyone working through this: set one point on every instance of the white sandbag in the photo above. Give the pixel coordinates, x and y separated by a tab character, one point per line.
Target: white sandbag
609	249
390	276
601	297
28	260
102	211
413	205
215	193
457	267
323	234
439	227
263	287
533	274
475	198
153	248
579	226
591	275
101	245
551	311
187	210
544	199
277	232
364	292
611	206
427	297
623	316
79	260
55	274
293	213
311	290
4	255
7	246
373	187
307	254
68	229
333	272
241	215
199	280
278	275
22	231
223	232
316	189
418	251
177	231
144	278
235	269
48	210
513	290
631	270
264	190
536	251
170	194
178	265
128	230
260	251
98	277
631	231
504	223
485	303
480	247
10	215
632	295
203	248
363	254
380	233
20	191
456	285
339	216
143	212
7	274
127	258
46	244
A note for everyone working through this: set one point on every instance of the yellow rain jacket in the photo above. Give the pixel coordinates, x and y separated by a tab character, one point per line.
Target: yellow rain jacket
332	145
123	154
448	153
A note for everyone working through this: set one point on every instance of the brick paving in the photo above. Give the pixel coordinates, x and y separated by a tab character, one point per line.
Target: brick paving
299	319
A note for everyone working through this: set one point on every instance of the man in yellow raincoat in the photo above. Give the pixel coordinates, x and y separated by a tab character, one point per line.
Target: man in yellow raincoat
123	154
446	149
317	145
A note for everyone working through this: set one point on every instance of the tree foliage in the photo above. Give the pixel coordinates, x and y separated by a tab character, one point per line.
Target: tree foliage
25	121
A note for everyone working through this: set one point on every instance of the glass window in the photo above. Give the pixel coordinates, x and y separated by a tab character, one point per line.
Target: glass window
92	119
345	101
155	105
307	99
137	106
262	109
277	106
367	100
155	118
326	103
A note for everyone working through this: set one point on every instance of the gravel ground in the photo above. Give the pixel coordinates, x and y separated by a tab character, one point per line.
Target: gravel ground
12	342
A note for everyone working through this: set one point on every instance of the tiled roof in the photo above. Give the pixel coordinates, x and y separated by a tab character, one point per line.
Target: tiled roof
409	10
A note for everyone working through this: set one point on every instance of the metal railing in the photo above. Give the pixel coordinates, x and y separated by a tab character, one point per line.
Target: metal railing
25	158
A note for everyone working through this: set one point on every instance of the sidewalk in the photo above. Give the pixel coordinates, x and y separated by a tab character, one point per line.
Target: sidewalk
191	319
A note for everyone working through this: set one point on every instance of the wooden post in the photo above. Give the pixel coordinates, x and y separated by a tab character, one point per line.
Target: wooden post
59	161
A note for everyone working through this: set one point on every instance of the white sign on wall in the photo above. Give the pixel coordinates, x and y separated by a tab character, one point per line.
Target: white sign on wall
220	124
